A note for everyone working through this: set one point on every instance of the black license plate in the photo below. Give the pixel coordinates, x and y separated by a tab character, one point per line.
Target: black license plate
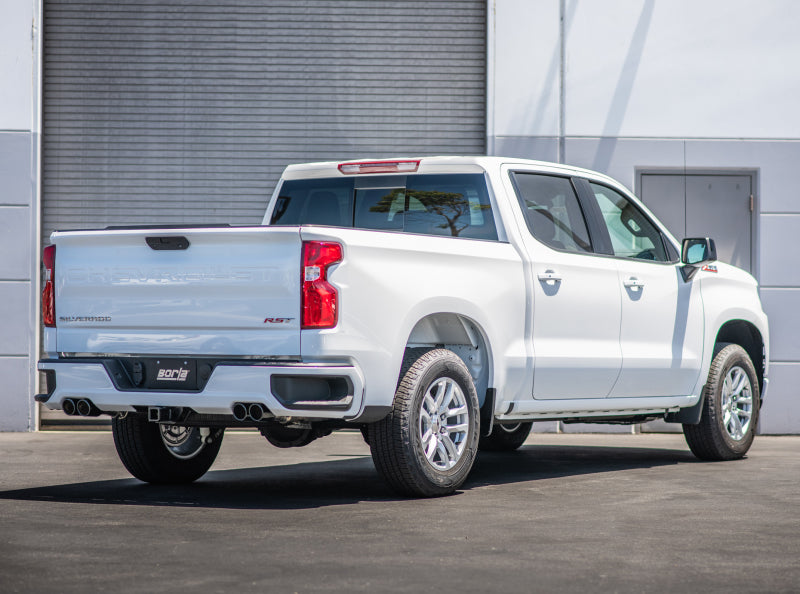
172	374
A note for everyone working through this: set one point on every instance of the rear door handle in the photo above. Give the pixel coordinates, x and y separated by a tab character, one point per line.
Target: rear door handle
550	277
633	283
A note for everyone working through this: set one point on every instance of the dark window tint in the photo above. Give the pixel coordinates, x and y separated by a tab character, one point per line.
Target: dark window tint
315	202
380	208
453	205
552	211
632	234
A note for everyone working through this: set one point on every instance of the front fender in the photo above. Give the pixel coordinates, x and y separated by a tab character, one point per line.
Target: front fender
729	295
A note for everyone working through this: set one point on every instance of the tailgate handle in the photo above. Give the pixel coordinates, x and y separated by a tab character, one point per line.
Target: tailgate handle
171	242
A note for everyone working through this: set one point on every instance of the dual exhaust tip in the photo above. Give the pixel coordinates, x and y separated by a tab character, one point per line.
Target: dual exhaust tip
83	407
249	411
242	411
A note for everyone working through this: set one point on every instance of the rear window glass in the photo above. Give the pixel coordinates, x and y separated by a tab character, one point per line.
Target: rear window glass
451	205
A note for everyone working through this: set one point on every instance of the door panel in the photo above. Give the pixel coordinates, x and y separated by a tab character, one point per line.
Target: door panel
576	323
661	332
576	297
661	329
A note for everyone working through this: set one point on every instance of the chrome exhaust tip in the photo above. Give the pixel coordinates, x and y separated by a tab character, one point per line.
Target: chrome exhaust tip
240	411
256	411
84	407
68	406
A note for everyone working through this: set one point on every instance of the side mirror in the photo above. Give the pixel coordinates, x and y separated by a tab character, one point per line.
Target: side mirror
698	250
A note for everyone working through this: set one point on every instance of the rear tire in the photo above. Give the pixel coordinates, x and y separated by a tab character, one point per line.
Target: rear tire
427	444
731	401
505	438
164	454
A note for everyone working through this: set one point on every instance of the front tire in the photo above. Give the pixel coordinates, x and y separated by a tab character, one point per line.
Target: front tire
427	445
730	408
164	454
505	438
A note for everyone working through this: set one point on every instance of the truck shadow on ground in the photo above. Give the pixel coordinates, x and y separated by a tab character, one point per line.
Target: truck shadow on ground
341	482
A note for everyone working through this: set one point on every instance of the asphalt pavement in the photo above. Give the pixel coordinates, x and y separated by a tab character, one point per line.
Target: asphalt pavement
566	513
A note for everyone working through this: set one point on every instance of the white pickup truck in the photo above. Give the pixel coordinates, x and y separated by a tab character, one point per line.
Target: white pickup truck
440	304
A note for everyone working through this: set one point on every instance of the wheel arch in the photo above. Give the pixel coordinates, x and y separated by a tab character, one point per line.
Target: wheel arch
462	335
747	336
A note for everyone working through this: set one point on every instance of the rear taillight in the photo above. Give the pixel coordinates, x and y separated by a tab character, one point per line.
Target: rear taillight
320	298
48	293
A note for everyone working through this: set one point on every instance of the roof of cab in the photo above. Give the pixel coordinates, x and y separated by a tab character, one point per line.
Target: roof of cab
440	164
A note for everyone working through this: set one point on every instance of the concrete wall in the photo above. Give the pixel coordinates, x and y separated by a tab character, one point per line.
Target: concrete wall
18	214
626	84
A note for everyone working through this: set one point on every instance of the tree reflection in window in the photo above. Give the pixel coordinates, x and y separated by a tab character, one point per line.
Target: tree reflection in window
433	212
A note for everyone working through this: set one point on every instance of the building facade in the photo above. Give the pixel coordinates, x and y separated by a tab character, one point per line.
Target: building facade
693	106
186	112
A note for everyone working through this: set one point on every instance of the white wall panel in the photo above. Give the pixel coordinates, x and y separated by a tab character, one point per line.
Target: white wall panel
781	410
17	334
527	147
776	162
527	67
686	69
16	65
18	114
780	251
16	244
16	175
17	399
619	157
782	305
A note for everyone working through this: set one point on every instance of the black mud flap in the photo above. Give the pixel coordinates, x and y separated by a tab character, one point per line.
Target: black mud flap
487	413
688	416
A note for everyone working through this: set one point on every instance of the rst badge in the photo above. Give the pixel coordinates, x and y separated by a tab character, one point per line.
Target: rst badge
277	320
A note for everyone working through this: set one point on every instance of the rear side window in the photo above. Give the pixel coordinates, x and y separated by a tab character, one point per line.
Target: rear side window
450	205
552	211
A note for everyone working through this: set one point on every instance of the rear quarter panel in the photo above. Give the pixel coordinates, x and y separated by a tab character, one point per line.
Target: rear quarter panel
389	281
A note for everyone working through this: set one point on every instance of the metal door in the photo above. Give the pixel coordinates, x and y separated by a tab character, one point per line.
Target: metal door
705	205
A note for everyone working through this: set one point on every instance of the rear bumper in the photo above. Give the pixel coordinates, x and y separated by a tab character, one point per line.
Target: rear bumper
251	383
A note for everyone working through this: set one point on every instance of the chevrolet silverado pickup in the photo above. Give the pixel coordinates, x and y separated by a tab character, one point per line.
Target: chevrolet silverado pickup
441	305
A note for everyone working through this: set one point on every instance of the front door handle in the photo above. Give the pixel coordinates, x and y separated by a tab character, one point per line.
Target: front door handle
550	277
633	283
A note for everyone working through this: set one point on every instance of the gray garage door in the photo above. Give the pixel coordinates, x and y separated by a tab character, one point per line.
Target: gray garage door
187	111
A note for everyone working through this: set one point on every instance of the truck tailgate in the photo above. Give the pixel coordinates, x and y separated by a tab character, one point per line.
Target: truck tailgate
232	291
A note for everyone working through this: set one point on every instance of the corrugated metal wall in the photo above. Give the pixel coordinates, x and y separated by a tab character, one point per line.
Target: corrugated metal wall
187	111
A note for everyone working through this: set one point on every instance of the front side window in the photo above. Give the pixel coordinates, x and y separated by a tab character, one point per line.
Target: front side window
552	211
451	205
632	234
